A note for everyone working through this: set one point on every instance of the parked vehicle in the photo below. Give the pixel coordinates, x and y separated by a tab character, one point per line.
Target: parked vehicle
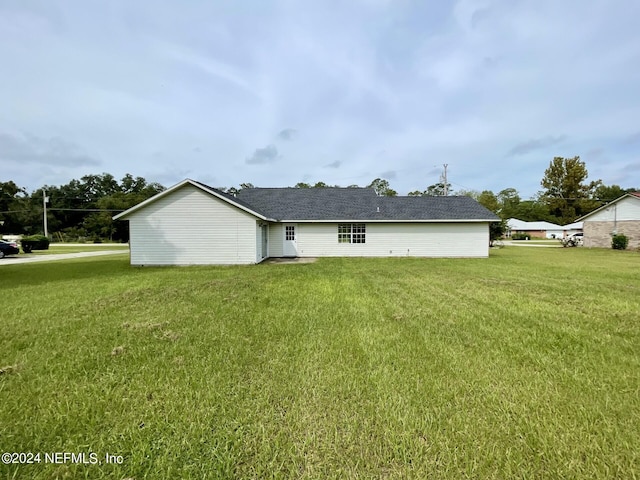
573	240
8	248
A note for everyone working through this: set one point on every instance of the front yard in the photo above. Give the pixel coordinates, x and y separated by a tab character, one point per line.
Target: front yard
523	365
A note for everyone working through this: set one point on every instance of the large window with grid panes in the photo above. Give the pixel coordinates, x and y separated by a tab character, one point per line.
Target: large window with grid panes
352	232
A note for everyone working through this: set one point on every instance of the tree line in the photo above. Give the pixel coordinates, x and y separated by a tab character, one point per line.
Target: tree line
79	210
566	194
83	208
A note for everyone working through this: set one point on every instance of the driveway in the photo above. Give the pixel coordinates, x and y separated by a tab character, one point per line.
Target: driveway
30	258
524	243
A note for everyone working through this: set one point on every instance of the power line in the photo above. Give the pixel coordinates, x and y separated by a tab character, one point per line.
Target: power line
88	209
68	210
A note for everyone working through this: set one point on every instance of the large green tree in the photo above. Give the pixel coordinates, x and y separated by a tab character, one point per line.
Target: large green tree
12	207
489	200
81	208
566	193
128	193
532	211
509	199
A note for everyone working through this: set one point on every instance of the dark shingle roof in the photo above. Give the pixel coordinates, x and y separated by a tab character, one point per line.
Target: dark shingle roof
357	204
434	208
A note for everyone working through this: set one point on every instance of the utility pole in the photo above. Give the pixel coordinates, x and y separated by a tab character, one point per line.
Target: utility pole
45	199
444	179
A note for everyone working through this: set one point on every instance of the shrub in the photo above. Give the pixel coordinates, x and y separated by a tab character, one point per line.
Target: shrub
619	242
497	230
520	236
34	242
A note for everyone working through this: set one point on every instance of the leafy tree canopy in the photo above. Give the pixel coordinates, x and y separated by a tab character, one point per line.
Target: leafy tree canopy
12	206
609	193
497	230
532	211
80	209
489	200
509	199
382	188
566	193
437	189
468	193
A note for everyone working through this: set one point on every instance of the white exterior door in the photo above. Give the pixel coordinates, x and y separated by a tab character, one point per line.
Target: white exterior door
290	247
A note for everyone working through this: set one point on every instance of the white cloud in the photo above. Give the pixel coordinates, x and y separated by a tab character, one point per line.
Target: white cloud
426	82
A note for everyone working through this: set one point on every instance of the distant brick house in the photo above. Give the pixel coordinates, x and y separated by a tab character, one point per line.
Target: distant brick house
534	229
621	216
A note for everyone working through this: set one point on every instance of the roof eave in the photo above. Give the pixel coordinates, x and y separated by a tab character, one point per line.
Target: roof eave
180	185
630	195
368	220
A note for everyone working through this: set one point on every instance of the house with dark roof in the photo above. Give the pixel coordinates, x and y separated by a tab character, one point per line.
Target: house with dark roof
534	229
621	216
194	224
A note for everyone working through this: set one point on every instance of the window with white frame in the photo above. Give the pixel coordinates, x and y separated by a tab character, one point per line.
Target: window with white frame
290	232
352	232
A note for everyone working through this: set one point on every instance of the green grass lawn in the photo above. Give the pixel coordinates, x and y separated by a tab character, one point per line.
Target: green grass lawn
523	365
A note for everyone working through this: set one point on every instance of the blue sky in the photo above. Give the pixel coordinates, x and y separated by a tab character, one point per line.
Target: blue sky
278	92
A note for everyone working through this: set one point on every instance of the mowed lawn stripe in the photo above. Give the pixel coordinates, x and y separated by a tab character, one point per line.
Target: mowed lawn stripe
522	365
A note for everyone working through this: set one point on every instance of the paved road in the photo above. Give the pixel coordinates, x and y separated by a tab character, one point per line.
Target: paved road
524	243
29	258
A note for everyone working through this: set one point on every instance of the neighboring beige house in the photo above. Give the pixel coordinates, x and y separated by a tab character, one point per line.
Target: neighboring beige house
194	224
619	216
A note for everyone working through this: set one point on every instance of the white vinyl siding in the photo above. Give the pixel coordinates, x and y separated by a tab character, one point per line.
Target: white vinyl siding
276	239
623	210
397	239
191	227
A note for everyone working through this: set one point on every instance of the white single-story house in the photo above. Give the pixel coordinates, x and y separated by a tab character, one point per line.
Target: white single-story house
194	224
534	229
621	216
